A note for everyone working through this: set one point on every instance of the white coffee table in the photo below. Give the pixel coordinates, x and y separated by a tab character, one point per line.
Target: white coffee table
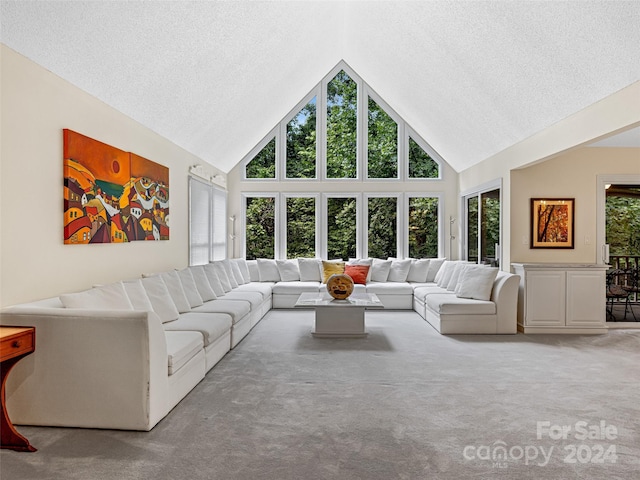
339	318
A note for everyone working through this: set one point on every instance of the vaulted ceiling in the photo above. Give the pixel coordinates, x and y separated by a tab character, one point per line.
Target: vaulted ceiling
472	78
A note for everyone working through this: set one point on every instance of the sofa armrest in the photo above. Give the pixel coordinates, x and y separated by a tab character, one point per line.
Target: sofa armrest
505	296
96	369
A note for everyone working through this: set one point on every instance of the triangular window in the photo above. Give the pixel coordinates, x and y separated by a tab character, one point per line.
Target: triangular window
421	165
263	165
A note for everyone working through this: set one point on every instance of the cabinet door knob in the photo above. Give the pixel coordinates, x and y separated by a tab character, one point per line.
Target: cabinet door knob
16	343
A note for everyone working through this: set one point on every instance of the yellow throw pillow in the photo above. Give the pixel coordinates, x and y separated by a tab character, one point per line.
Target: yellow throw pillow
331	268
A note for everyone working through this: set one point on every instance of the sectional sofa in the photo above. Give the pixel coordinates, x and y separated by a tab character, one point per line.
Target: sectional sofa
122	355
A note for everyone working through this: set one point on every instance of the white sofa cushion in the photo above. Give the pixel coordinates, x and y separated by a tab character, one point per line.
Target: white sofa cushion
190	288
268	269
390	288
310	269
174	285
288	270
211	325
138	295
160	298
202	283
418	270
254	273
237	309
221	272
434	268
244	269
476	281
237	273
455	275
226	264
448	304
213	278
380	270
295	288
182	346
444	274
399	270
104	297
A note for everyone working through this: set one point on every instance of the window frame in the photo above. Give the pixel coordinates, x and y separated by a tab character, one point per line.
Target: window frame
464	215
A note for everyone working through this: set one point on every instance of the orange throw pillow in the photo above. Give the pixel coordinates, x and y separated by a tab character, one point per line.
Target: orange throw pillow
358	273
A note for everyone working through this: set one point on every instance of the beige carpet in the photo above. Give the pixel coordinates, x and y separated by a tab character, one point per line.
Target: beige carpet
405	403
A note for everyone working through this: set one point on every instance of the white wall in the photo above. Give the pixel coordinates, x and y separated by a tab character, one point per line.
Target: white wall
571	175
35	264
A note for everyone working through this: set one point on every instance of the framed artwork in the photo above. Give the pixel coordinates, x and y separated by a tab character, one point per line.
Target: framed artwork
112	196
552	222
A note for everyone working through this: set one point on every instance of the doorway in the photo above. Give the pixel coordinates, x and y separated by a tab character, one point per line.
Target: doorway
618	232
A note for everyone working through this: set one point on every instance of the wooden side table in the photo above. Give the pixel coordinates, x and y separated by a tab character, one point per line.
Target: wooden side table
15	343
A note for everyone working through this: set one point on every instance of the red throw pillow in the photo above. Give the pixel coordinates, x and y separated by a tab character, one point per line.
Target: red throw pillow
358	273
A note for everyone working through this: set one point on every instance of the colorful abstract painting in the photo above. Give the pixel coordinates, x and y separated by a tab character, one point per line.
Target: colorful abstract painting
112	196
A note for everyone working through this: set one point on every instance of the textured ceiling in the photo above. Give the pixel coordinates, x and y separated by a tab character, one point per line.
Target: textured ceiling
472	78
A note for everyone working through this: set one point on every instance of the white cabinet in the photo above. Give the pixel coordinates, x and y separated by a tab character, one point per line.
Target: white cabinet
561	298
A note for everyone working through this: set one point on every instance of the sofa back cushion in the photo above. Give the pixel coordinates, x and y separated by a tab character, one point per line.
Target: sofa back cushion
227	286
288	270
254	273
476	281
244	268
202	284
268	270
237	273
310	269
190	288
418	271
138	295
227	268
178	295
380	270
212	274
160	298
104	297
434	268
399	270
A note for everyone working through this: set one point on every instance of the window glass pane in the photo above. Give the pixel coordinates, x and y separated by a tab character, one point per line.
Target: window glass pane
263	164
341	228
382	143
423	227
382	237
301	227
342	97
260	227
490	226
472	229
421	165
301	143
